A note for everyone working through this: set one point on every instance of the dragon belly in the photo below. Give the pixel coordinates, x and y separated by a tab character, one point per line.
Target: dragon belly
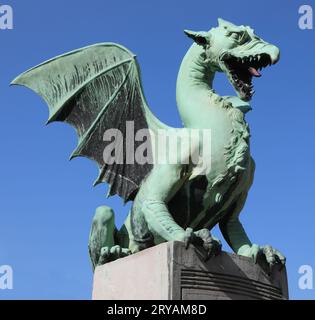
200	205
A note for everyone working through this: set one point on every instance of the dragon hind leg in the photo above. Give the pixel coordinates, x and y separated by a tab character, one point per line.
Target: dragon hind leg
103	245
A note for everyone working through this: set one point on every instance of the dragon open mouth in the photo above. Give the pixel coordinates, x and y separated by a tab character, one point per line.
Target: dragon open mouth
241	70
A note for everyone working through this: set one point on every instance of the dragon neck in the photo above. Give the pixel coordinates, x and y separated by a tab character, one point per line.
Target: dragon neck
200	107
194	93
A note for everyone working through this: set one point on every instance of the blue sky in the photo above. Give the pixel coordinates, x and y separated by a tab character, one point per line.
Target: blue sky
47	203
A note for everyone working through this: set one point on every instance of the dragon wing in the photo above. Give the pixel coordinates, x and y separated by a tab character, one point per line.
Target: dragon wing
94	89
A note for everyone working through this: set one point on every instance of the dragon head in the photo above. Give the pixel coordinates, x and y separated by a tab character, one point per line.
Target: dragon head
238	52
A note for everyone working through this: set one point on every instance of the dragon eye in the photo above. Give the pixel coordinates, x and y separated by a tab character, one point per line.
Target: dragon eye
235	35
241	37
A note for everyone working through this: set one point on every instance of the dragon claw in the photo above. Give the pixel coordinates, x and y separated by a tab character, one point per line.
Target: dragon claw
191	238
212	245
203	238
272	256
109	254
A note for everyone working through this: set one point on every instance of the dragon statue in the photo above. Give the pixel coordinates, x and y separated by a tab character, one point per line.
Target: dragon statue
98	88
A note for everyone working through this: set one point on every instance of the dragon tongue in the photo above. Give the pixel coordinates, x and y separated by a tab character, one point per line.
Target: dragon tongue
254	72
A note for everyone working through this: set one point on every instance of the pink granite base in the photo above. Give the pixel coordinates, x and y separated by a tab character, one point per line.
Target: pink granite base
170	272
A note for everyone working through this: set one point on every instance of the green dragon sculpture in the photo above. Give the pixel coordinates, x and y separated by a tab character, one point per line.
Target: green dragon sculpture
98	87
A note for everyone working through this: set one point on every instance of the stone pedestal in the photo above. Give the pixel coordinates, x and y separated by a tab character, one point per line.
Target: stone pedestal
170	272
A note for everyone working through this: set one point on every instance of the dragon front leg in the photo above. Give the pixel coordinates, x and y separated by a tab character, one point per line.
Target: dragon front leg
151	221
238	240
154	220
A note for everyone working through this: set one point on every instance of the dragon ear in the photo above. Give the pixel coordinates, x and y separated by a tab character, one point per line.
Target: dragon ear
224	23
200	37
